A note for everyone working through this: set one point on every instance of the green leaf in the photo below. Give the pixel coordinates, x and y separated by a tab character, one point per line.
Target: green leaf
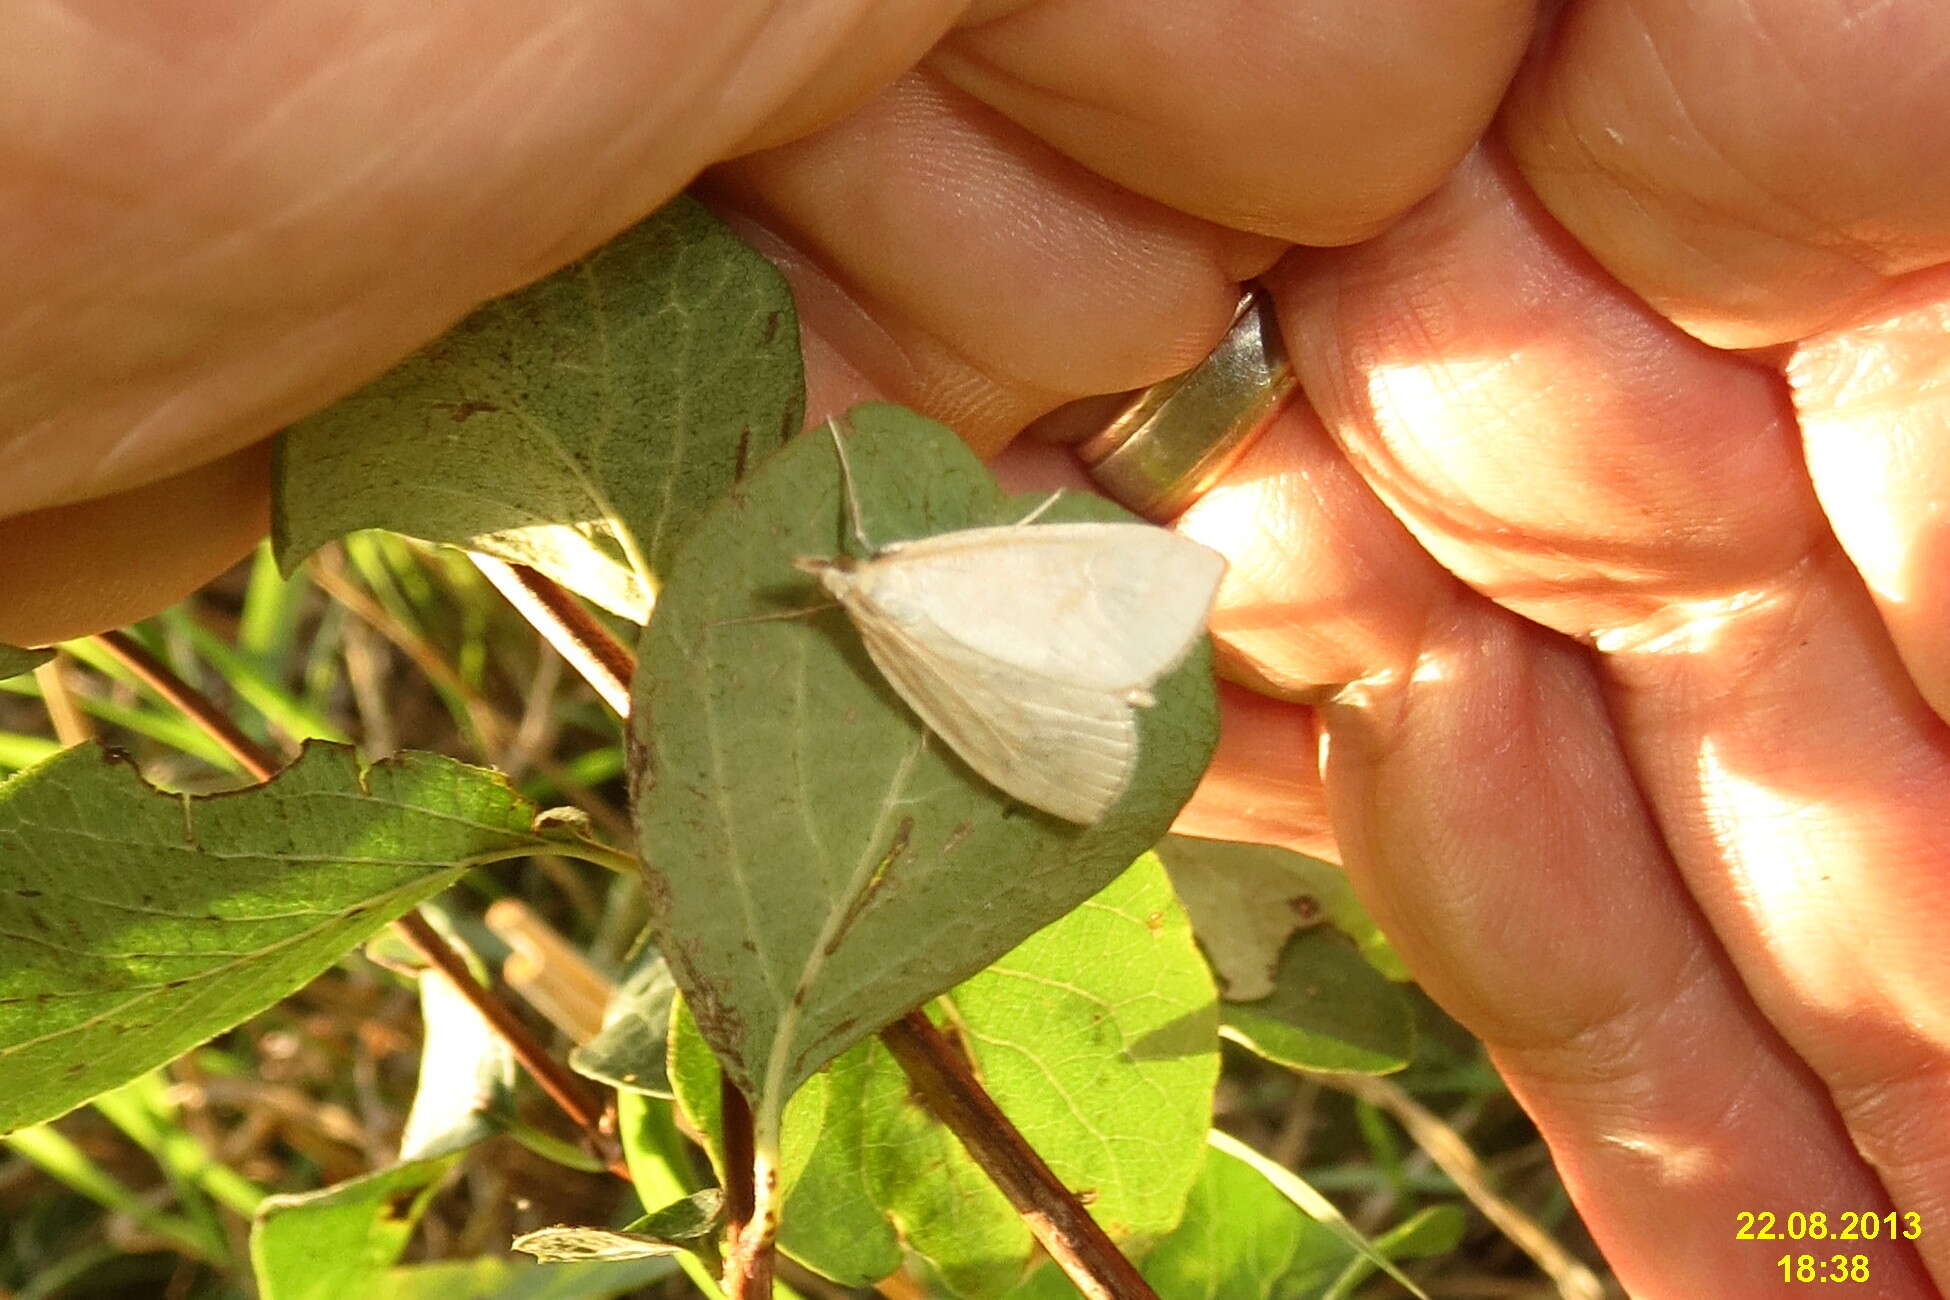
1308	1000
1329	1010
491	1277
338	1242
1312	1204
630	1052
821	864
14	661
1241	1237
682	1225
1436	1230
830	1222
1098	1036
1246	899
135	924
1095	1036
578	425
928	1188
663	1168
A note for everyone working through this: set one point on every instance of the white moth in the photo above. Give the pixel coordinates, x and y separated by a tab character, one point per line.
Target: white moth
1029	649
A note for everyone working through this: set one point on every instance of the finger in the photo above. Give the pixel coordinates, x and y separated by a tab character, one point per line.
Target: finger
1296	617
75	569
1263	785
1638	128
1059	284
1514	867
1487	419
1488	819
1584	465
1067	279
1313	123
1295	622
215	226
1874	406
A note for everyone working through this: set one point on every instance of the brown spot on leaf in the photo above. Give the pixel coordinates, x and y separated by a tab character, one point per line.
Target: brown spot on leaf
462	411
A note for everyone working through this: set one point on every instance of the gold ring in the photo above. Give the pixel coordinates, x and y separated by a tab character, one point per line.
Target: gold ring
1175	439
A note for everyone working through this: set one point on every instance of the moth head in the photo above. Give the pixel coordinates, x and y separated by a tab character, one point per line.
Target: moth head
835	572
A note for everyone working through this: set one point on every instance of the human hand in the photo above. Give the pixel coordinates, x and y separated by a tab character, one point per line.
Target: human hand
1627	654
1695	1039
221	217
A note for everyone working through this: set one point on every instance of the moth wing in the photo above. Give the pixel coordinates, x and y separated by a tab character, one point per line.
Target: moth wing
1056	745
1111	607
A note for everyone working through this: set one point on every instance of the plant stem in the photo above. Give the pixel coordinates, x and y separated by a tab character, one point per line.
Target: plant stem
1080	1248
1052	1212
751	1218
199	708
735	1119
562	1087
604	662
71	725
597	855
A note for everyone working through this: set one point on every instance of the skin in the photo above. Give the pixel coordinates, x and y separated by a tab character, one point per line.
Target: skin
1593	606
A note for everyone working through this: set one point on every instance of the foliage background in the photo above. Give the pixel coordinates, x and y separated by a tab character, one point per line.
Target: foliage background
398	645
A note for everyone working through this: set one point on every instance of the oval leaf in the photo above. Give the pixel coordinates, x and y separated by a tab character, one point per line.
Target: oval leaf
629	1053
1245	899
1096	1037
134	924
821	863
577	426
1329	1010
339	1241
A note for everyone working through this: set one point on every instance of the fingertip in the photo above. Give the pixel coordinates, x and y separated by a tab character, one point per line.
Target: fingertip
87	566
1264	783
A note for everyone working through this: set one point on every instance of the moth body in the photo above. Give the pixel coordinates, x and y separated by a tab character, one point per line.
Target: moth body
1027	649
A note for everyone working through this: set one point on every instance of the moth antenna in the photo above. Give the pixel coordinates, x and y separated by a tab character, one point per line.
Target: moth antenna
846	478
1040	510
804	611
